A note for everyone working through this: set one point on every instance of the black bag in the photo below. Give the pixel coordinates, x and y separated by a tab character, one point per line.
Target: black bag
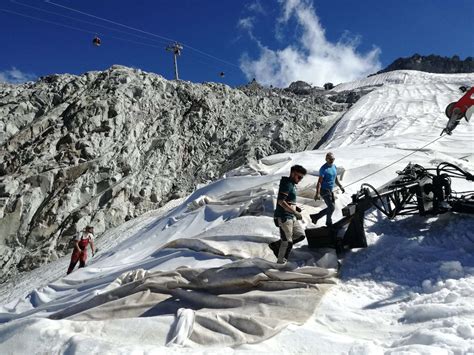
275	220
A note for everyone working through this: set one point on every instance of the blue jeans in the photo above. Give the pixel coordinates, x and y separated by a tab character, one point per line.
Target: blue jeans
328	198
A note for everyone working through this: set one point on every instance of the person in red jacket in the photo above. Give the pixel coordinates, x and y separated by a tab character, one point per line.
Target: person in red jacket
80	248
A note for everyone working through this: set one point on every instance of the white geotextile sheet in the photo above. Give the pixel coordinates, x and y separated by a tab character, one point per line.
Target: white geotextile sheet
245	301
245	298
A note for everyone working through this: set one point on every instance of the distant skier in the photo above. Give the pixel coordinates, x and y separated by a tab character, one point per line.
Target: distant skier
80	248
287	215
324	189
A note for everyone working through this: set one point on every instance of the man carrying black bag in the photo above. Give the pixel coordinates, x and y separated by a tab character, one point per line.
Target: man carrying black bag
287	215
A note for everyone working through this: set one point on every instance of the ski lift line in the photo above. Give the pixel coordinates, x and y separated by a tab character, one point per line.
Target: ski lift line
210	56
109	21
75	28
94	33
87	22
139	30
106	27
47	21
393	163
209	63
202	60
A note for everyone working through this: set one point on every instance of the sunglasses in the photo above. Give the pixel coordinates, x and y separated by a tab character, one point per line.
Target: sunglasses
299	177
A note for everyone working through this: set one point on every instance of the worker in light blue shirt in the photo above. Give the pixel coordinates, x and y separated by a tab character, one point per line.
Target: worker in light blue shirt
324	188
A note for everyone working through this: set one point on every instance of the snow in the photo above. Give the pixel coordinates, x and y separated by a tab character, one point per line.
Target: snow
410	292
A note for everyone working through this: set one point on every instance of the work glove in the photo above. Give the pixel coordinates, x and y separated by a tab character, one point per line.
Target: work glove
298	216
317	197
342	190
298	209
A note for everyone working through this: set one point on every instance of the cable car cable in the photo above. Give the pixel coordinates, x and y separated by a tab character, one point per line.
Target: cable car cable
88	31
77	29
393	163
87	22
146	32
109	21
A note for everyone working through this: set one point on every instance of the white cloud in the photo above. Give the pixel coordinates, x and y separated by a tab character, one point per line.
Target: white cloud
15	76
246	23
256	7
312	58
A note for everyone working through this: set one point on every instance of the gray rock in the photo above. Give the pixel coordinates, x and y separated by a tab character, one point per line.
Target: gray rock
432	64
300	88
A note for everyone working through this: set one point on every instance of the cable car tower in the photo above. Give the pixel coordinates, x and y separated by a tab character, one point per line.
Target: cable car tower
176	49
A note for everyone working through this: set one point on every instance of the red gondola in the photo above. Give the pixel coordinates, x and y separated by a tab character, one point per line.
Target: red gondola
96	41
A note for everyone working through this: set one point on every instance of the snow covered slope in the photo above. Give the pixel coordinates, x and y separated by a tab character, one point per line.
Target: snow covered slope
411	291
405	111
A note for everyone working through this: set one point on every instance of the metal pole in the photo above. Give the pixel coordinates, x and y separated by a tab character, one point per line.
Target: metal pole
176	49
175	66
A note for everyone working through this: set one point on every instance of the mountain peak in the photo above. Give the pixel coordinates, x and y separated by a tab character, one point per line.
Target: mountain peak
432	64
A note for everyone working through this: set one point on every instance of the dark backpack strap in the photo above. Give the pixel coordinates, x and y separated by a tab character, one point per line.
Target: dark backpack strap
275	220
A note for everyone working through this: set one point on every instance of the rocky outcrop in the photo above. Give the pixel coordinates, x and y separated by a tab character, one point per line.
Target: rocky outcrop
432	64
104	147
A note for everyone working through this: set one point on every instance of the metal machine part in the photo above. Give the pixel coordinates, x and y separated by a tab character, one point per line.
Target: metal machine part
455	111
416	190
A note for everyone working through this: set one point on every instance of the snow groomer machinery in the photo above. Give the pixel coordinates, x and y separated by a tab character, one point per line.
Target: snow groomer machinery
416	190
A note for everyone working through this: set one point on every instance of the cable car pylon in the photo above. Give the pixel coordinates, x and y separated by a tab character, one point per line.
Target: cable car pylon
176	49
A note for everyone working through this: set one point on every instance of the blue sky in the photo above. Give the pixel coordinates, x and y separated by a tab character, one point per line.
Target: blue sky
274	41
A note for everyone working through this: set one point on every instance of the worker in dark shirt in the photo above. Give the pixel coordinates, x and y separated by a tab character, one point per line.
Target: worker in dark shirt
287	214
